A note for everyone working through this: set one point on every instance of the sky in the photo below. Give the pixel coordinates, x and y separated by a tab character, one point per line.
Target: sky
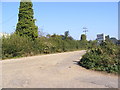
58	17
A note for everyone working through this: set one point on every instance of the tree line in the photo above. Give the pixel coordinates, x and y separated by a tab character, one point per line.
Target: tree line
25	41
20	46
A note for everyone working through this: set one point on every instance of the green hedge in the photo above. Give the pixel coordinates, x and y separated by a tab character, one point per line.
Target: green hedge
17	46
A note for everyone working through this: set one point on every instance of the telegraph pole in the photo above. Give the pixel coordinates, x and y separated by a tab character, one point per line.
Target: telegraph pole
85	30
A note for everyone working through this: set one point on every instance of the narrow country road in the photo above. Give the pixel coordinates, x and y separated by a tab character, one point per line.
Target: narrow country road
53	71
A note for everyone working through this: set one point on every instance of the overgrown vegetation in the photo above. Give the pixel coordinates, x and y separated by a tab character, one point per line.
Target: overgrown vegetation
25	40
103	57
20	46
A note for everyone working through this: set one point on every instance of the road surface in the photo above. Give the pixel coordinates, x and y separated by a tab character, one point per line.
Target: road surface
53	71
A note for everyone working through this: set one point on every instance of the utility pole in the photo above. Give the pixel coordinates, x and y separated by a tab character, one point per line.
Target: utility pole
85	30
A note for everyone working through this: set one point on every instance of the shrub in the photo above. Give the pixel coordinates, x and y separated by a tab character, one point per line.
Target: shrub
20	46
16	46
101	58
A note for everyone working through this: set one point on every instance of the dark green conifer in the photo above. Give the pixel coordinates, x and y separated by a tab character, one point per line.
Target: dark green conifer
83	37
26	22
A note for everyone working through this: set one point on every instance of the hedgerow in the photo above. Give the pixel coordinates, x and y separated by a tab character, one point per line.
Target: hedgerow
20	46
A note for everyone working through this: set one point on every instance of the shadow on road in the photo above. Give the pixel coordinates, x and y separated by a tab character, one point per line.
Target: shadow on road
76	62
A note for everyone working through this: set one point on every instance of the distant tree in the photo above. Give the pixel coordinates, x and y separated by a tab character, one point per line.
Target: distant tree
54	35
83	37
48	35
83	41
70	38
107	38
114	40
66	34
26	22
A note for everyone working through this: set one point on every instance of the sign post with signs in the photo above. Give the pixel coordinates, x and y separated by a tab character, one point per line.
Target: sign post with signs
100	38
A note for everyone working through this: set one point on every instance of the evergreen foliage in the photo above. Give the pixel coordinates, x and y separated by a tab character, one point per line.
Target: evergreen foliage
102	58
83	37
26	22
66	34
83	41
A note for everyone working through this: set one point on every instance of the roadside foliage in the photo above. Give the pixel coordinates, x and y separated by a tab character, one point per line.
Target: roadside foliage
104	57
21	46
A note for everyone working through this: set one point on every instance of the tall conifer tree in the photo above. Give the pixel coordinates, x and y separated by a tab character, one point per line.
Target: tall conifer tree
26	22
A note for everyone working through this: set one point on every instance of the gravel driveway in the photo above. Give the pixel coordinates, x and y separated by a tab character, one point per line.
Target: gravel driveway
53	71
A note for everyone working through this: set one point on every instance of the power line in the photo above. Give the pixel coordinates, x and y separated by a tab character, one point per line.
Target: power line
85	30
9	19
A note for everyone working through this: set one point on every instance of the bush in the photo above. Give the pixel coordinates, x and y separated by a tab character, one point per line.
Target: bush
19	46
102	58
16	46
